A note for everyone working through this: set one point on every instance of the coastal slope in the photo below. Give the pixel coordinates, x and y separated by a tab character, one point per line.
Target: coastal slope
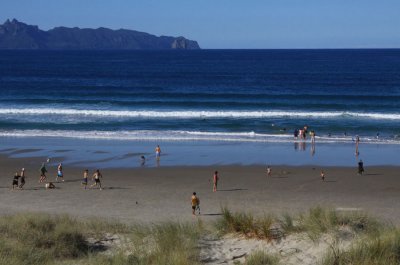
18	35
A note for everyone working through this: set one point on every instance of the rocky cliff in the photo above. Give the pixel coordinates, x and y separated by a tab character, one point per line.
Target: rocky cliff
18	35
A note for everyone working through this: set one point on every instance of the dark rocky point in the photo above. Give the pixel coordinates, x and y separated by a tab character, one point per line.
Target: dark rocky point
18	35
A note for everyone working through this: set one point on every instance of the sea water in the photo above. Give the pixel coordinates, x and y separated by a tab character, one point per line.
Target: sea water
206	97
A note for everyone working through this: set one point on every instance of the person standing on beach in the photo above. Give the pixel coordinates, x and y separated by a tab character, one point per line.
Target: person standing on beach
195	203
22	178
215	181
312	137
60	172
360	167
96	176
269	171
85	178
158	152
43	172
322	175
15	181
357	143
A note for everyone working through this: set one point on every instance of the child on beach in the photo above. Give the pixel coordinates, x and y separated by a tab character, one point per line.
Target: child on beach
312	134
50	186
96	176
360	167
322	175
22	178
269	171
158	152
15	181
215	181
195	203
60	172
43	172
85	178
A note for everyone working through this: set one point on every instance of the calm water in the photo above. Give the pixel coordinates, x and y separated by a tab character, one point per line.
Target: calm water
241	96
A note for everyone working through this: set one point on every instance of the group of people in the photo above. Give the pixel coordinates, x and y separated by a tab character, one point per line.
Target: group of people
19	179
158	154
302	134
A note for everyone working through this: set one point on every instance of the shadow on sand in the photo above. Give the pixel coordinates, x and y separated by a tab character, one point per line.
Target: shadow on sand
211	214
233	190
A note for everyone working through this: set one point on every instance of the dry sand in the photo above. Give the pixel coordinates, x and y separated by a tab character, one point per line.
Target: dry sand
151	195
161	194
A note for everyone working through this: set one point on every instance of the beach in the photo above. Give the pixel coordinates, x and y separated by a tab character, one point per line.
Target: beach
161	194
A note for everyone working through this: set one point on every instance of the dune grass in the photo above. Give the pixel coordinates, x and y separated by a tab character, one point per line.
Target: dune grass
261	258
246	224
314	223
46	240
318	221
382	247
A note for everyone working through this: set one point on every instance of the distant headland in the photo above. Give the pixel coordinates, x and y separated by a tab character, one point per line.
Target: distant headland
17	35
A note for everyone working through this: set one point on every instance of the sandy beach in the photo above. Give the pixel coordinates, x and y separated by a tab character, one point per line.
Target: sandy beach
163	193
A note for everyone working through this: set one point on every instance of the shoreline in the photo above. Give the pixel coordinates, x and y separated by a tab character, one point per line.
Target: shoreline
126	154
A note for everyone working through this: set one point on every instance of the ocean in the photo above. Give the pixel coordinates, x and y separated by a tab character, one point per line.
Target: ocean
238	96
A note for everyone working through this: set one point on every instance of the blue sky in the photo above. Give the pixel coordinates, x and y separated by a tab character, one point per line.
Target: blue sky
228	23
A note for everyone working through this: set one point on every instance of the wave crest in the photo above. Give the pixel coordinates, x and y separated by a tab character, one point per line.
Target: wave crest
194	114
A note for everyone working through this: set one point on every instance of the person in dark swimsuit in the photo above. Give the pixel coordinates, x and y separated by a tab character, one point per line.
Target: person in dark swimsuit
360	167
15	180
22	178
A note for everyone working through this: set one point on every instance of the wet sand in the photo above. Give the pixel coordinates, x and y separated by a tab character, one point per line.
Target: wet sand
162	194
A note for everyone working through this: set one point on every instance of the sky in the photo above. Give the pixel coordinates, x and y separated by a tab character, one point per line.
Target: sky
228	24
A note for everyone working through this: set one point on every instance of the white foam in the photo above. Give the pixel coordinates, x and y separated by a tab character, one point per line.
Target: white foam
152	135
190	114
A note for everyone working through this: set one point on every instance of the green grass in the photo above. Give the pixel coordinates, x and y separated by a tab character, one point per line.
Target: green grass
34	239
168	243
46	240
320	220
246	224
261	258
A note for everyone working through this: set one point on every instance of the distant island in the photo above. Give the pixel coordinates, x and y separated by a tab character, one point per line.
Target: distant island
18	35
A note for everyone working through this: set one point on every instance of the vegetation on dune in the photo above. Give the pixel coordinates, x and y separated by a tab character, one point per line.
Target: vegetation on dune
48	240
246	224
315	222
261	258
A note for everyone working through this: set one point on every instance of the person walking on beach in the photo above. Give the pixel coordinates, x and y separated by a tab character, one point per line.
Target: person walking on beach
360	167
22	178
269	171
60	172
96	176
43	172
215	181
158	152
15	181
85	178
322	175
195	203
357	143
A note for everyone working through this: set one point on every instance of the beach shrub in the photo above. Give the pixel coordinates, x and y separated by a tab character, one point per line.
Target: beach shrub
318	221
41	239
168	243
369	250
246	224
287	223
261	258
